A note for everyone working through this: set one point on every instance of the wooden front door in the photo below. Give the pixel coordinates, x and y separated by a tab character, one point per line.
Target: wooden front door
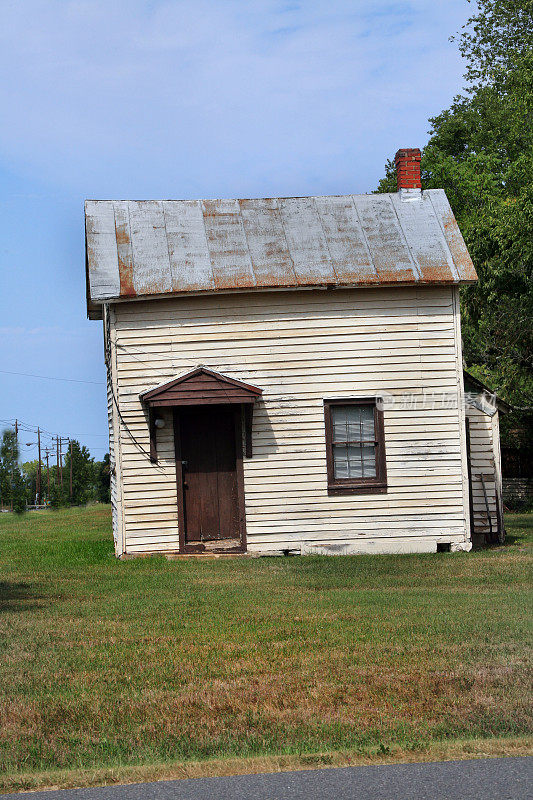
210	455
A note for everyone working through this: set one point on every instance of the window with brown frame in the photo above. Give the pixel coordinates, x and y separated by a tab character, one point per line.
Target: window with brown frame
355	446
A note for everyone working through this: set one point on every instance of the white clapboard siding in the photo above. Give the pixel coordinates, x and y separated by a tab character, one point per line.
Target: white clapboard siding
484	461
112	463
115	449
113	433
301	348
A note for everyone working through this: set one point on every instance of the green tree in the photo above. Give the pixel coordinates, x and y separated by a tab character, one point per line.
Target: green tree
12	484
29	472
104	479
58	495
83	473
480	151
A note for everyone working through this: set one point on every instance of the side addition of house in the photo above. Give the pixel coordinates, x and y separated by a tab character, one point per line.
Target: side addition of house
285	374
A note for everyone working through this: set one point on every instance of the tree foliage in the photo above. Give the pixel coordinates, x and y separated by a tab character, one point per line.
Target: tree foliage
18	484
480	151
83	472
13	488
104	479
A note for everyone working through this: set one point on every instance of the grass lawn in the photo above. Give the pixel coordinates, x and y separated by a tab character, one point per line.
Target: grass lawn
118	669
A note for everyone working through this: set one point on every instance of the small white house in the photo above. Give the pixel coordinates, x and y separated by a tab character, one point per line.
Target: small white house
285	374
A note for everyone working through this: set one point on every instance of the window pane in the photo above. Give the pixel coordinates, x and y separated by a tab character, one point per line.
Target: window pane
339	420
367	423
355	466
340	461
352	461
369	461
353	423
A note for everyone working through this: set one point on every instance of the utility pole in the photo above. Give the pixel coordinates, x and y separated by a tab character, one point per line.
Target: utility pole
48	451
57	461
15	445
38	487
63	440
70	465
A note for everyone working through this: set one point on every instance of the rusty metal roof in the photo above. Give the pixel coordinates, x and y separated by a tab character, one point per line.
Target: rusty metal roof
160	248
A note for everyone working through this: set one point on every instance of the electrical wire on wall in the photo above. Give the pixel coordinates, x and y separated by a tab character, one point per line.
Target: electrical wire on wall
137	444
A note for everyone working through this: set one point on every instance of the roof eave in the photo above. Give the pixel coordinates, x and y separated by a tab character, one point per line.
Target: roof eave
94	309
94	306
482	387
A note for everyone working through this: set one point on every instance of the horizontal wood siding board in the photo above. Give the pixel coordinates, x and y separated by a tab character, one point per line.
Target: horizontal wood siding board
293	334
145	313
308	414
389	366
338	318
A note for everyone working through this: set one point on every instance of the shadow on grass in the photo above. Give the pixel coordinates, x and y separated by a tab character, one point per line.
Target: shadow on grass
16	597
518	532
518	529
512	538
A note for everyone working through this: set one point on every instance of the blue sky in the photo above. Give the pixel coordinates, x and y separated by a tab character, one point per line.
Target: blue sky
182	99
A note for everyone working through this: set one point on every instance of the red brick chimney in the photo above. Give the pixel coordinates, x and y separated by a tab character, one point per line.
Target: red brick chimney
407	161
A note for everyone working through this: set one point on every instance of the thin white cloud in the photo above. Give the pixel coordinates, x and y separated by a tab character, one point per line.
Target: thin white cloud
202	96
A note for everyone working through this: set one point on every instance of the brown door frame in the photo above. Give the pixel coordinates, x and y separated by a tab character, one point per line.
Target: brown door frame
184	547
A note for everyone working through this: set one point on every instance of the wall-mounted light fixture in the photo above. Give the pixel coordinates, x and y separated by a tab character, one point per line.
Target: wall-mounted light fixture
153	424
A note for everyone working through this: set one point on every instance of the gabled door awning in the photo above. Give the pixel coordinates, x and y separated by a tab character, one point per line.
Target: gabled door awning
201	387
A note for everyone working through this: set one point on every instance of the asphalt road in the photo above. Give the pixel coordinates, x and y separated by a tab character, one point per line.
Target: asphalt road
480	779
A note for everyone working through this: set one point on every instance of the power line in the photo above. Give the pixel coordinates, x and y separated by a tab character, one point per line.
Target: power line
50	377
84	435
25	427
29	428
137	444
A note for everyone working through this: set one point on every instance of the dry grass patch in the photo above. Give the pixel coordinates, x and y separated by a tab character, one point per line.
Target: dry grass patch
211	768
110	666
